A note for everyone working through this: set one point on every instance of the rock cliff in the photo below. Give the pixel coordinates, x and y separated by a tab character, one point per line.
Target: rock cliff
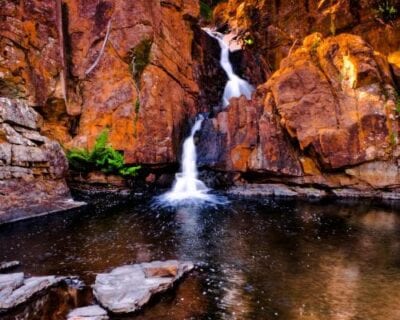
87	65
32	167
328	115
330	107
325	113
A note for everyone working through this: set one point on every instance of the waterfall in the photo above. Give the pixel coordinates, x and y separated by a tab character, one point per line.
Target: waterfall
187	187
236	86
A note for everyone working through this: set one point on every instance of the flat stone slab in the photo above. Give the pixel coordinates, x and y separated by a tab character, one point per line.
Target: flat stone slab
128	288
15	289
18	112
38	210
8	265
88	313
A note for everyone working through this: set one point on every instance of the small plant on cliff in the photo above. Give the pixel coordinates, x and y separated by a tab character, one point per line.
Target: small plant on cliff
387	10
135	120
248	41
205	11
398	102
102	157
140	58
393	139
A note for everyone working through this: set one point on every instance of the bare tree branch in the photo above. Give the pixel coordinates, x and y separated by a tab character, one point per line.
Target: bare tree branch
101	50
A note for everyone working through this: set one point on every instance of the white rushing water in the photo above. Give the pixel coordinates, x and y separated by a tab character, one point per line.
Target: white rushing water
236	86
187	187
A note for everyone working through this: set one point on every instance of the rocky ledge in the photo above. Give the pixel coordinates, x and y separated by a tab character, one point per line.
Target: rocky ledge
128	288
325	120
15	289
32	167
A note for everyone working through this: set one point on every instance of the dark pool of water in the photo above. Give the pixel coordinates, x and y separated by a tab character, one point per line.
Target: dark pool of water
259	259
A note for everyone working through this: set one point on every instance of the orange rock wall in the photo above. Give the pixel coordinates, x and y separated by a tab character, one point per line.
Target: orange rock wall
89	65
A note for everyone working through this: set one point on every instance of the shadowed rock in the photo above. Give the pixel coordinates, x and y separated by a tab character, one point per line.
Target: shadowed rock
15	289
128	288
88	313
8	265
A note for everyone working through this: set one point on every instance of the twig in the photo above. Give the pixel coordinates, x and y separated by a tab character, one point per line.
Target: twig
292	47
101	50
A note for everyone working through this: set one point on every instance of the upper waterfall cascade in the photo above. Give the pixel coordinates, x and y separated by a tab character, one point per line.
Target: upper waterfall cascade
235	86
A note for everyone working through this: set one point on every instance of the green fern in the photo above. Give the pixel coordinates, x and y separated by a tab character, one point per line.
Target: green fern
205	11
103	157
129	171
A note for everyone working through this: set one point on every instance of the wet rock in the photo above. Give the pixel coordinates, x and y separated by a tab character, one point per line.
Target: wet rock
247	137
88	313
128	288
210	76
9	282
15	289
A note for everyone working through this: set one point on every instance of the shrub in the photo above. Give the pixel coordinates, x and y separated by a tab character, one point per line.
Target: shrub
205	11
249	41
140	58
387	10
103	157
393	139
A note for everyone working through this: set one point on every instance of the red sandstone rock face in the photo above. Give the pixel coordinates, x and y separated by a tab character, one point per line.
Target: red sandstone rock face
246	137
145	111
329	106
278	26
30	51
128	67
134	67
334	98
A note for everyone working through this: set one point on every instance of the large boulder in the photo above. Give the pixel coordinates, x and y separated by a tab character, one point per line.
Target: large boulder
335	98
32	167
128	288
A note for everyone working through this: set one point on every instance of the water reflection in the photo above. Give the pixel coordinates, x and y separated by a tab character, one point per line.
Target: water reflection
257	259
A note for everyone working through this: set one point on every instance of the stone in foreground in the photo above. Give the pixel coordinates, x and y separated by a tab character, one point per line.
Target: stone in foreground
15	289
9	265
128	288
88	313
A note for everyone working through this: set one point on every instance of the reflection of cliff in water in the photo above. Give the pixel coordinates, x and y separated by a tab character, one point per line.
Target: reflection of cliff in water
257	259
